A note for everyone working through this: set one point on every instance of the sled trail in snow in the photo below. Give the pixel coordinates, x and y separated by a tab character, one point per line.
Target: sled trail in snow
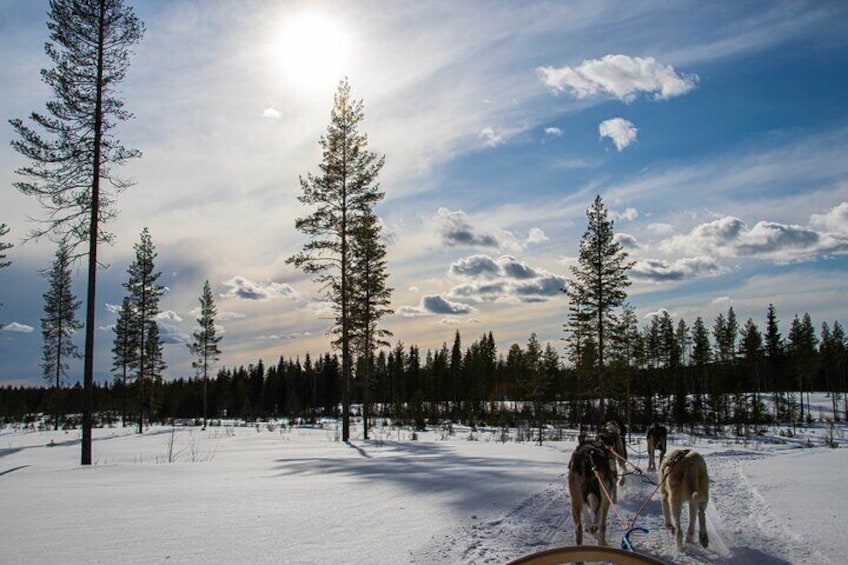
742	527
535	524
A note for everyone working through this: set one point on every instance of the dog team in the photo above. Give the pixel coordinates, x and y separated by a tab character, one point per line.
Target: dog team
593	481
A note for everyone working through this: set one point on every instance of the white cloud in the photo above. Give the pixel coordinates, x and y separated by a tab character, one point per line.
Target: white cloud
730	237
168	316
622	132
629	214
626	240
17	328
553	131
622	76
834	220
503	279
536	235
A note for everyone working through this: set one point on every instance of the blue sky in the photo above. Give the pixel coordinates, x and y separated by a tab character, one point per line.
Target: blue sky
715	132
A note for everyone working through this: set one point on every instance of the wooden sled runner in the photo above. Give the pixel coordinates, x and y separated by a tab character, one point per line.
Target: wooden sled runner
590	553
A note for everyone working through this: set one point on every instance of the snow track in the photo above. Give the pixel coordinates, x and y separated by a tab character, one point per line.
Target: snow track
536	523
742	526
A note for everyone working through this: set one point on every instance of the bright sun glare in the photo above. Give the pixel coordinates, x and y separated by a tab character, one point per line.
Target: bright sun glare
312	52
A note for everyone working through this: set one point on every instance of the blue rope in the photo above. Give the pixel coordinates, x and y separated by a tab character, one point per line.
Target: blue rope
626	545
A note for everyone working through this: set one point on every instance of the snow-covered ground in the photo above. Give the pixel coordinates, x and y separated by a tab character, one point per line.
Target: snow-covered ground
273	494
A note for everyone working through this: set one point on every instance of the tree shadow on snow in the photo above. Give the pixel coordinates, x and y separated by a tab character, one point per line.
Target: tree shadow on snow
424	468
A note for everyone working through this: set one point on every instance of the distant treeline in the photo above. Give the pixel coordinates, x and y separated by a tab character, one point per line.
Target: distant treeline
478	386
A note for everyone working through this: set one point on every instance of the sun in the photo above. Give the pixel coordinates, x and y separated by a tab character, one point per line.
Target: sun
312	52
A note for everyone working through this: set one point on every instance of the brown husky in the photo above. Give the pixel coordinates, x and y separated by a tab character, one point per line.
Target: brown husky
683	477
589	474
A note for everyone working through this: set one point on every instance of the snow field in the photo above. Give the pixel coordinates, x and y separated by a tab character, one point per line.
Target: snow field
272	494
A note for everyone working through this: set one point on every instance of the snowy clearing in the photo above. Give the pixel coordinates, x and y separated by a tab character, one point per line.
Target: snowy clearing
271	494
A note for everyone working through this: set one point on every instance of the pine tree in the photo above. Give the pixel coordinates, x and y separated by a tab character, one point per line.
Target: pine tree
725	330
344	192
456	368
124	349
600	279
802	346
701	357
205	345
832	352
370	299
144	293
59	325
90	48
774	350
751	349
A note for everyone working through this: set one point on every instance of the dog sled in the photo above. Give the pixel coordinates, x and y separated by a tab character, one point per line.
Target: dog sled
587	553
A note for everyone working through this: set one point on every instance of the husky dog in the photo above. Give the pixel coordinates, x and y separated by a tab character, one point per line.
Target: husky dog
683	477
612	435
657	441
589	475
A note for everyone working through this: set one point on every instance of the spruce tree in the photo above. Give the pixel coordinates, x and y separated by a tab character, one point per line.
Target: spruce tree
144	294
205	342
343	193
59	325
600	281
73	146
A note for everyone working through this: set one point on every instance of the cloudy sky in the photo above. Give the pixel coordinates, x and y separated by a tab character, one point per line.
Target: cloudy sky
716	134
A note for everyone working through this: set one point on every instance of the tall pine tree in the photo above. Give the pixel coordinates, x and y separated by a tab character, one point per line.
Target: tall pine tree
600	281
73	147
343	193
58	326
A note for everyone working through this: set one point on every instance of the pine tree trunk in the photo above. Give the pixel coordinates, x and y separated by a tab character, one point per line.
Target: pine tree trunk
88	369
